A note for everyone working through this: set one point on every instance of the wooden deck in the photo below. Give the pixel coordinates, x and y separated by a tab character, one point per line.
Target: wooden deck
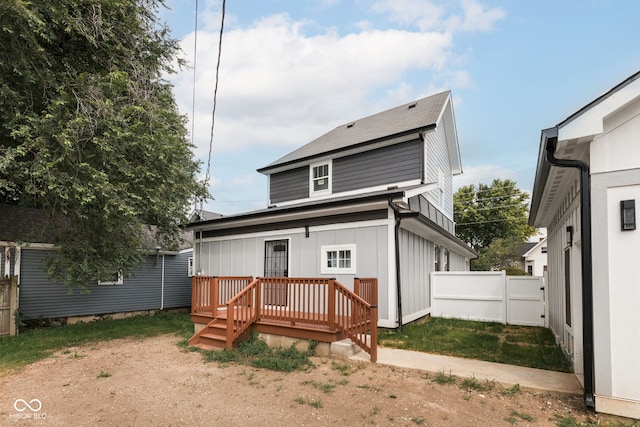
307	308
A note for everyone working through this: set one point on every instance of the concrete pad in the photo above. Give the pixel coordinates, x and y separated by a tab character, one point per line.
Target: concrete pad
531	379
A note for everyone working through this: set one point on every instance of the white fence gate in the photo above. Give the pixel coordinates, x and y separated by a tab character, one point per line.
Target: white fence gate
489	296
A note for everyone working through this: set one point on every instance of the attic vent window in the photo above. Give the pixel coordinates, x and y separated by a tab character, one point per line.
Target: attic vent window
350	125
412	105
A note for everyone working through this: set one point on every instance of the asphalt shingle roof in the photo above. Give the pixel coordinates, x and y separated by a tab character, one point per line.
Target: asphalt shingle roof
412	116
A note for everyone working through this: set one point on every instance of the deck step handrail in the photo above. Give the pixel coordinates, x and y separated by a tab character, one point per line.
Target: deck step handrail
242	312
355	317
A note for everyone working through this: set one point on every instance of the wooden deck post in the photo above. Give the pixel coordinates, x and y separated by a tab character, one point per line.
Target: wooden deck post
331	302
374	334
258	298
213	294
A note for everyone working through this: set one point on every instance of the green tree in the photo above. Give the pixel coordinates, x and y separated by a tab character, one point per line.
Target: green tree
501	254
489	212
90	132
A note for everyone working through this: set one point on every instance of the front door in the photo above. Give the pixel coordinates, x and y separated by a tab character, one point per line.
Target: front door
276	264
276	258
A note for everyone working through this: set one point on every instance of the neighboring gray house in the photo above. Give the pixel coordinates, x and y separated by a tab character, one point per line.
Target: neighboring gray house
161	282
371	198
586	190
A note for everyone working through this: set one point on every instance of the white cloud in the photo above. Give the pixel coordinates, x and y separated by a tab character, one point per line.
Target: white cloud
429	15
483	174
280	86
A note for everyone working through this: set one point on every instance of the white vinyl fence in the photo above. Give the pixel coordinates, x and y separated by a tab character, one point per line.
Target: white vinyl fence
488	296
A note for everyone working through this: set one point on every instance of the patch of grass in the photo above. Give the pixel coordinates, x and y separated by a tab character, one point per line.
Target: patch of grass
475	385
327	387
522	416
312	402
36	344
256	353
510	392
442	378
103	374
344	368
490	341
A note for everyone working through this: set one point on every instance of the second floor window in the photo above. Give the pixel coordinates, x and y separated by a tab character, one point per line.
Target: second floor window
320	179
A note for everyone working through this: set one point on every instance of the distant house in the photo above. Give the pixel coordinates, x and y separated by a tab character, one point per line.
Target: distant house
586	190
532	257
371	198
160	282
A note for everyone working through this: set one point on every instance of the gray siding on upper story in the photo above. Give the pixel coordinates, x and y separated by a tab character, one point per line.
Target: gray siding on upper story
384	166
388	165
39	297
437	159
289	185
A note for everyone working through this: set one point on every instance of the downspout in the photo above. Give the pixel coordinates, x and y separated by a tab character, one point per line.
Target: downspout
586	255
396	213
162	291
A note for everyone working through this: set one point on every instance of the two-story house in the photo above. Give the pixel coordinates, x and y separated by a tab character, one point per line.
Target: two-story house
371	198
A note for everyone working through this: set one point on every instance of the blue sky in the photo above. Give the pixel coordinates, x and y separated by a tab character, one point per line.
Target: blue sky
293	70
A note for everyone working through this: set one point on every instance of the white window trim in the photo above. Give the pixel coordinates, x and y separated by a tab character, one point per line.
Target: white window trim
324	269
313	193
120	281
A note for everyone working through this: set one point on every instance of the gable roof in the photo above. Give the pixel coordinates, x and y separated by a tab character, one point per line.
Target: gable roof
412	117
523	249
535	245
20	224
25	225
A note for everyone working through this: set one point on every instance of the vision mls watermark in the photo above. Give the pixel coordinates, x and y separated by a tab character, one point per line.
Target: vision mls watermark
30	410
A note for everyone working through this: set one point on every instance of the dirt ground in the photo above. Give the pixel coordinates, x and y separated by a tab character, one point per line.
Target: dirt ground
154	382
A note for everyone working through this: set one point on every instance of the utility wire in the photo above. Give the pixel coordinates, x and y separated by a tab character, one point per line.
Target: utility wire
215	95
195	63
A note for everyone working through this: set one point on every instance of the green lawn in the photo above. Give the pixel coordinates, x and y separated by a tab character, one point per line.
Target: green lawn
493	342
36	344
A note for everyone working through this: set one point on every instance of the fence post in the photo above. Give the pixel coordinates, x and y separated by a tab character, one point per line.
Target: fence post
13	305
331	302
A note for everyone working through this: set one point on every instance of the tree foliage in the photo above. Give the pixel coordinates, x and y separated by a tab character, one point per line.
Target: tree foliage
489	212
501	254
90	132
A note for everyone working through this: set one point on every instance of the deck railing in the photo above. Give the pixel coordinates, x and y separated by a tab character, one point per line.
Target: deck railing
318	303
209	293
367	289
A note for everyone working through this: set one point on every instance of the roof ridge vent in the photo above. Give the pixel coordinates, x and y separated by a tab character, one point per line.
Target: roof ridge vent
350	125
413	105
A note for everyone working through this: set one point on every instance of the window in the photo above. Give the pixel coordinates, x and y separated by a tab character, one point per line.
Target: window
320	179
567	286
338	259
446	260
117	280
530	270
436	258
190	266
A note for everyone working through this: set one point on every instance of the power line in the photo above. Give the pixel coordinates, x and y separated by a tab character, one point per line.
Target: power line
215	94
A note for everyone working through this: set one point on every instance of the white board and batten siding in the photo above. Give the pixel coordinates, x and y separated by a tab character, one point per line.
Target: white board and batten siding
488	296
